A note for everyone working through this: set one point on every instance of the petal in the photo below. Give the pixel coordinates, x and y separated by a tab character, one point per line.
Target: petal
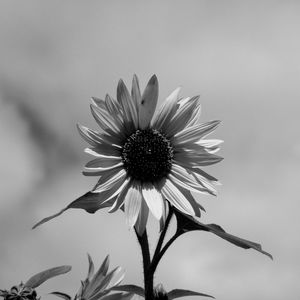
104	120
98	102
182	116
100	171
182	178
129	109
196	159
195	133
166	111
135	92
153	199
103	162
115	110
133	201
104	150
141	222
148	103
109	180
176	198
91	136
121	197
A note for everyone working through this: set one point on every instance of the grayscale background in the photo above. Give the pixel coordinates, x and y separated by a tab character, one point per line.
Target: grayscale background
242	57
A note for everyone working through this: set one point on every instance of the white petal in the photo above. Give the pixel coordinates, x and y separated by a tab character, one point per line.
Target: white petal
136	93
166	111
182	116
154	200
133	201
196	132
108	181
141	222
104	120
121	197
103	162
148	103
103	151
175	197
182	178
91	136
129	109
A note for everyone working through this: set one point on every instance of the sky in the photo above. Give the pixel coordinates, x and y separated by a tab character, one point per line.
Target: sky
241	57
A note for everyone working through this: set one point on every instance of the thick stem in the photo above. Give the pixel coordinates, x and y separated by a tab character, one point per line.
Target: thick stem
148	274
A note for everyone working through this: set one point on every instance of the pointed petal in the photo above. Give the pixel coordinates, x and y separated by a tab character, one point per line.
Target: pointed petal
181	177
91	136
141	222
129	109
98	102
182	116
136	93
148	103
104	150
133	201
195	133
121	197
104	120
176	198
154	200
108	182
166	111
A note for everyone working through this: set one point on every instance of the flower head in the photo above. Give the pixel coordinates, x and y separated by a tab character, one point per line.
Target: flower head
145	158
19	292
26	291
97	286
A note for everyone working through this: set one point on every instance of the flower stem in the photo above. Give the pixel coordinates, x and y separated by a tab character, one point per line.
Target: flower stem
163	234
148	274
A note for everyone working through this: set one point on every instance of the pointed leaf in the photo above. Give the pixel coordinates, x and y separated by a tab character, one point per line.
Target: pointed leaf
186	223
177	293
41	277
131	288
62	295
91	202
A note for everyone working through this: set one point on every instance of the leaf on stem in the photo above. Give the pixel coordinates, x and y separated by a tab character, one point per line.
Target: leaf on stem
187	223
177	293
41	277
61	295
130	288
91	202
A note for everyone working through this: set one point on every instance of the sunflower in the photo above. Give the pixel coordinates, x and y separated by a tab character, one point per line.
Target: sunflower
146	158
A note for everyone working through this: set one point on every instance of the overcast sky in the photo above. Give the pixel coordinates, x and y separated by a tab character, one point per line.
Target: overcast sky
242	57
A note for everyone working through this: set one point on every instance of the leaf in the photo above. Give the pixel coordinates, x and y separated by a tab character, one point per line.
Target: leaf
187	223
41	277
62	295
91	202
118	296
131	288
177	293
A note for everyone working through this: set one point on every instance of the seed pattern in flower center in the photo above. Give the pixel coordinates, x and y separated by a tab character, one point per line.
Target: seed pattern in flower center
147	155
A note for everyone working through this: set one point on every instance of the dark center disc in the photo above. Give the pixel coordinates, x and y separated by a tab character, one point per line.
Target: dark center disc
147	156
